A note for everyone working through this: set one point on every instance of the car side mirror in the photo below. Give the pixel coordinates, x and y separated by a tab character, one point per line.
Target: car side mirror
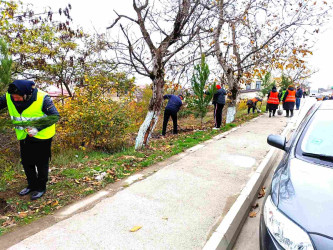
277	141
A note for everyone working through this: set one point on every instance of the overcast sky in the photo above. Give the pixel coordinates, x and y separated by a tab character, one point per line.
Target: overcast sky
98	14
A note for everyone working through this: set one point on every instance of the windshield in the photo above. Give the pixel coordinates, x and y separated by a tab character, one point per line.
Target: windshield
318	138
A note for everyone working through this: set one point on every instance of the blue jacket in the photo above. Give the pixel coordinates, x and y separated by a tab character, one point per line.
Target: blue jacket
174	103
299	93
219	96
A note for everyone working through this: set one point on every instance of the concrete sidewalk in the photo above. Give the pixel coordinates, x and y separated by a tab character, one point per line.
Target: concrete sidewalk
178	207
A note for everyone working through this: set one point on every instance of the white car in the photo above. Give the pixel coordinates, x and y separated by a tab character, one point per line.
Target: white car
314	94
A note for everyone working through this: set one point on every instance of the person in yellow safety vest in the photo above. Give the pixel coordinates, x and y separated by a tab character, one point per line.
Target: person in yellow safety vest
273	101
289	100
34	116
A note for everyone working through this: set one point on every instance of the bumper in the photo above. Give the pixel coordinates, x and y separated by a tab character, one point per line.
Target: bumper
267	242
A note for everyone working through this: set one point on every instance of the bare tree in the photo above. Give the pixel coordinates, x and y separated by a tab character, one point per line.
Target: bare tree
253	33
165	30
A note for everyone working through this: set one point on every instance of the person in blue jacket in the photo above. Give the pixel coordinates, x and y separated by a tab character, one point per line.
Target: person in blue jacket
172	108
299	95
219	102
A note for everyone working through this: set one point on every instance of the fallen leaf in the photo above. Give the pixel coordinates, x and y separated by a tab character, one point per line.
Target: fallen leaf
54	203
262	193
76	181
128	157
22	214
253	214
255	205
109	171
9	223
60	194
136	228
86	179
86	157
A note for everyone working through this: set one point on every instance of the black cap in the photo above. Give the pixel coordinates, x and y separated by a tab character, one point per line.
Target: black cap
21	87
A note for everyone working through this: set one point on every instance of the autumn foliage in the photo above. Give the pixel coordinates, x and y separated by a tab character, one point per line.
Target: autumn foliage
92	119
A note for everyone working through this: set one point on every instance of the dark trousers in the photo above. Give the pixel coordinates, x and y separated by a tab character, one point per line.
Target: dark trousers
37	179
35	156
272	111
291	112
218	114
167	114
253	107
298	102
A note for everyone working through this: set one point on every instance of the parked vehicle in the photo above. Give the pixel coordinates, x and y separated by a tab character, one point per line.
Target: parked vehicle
298	212
313	93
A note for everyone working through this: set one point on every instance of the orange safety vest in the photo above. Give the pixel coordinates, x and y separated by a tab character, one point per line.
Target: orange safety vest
291	97
254	100
273	98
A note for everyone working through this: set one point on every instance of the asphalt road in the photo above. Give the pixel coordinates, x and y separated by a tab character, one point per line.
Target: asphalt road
248	238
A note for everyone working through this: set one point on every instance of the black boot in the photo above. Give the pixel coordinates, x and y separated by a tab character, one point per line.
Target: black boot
270	114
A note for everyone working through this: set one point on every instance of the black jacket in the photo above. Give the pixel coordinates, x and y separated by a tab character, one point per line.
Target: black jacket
219	96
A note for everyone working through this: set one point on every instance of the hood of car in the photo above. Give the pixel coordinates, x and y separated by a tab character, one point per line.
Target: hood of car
306	196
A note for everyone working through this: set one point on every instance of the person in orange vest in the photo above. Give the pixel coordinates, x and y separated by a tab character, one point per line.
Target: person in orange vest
289	100
252	104
273	101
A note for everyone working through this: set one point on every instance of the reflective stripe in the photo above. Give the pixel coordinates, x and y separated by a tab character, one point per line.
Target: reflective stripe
273	98
291	97
32	113
25	119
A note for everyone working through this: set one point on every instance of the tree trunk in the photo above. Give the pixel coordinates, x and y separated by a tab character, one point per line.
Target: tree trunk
154	111
231	113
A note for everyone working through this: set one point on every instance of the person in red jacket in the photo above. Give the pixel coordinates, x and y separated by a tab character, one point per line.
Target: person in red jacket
289	100
273	101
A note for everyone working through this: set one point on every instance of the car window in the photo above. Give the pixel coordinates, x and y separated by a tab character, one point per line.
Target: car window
318	137
300	127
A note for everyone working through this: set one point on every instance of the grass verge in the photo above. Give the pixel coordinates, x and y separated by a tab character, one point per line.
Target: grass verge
75	174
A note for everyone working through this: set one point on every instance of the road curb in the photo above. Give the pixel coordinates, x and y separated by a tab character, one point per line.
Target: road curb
225	235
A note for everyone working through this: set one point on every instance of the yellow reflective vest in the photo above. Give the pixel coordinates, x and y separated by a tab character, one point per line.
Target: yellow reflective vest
33	112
